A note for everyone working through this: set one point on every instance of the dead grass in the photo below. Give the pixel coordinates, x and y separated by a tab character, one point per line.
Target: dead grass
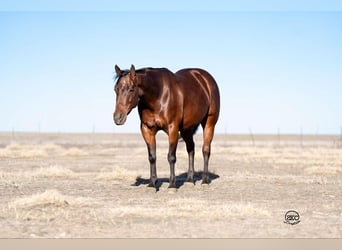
49	197
38	150
48	189
283	179
191	209
324	170
22	151
54	171
212	209
314	156
75	152
47	206
118	173
52	148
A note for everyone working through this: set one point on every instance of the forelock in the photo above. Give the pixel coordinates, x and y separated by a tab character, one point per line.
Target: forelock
123	74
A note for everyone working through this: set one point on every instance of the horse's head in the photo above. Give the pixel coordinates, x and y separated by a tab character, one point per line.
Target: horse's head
127	94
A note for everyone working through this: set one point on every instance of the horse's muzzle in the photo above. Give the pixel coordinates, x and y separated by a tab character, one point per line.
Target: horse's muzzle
119	118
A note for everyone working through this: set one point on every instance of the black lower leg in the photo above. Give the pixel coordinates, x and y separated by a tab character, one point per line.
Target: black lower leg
153	169
191	171
206	155
172	161
190	148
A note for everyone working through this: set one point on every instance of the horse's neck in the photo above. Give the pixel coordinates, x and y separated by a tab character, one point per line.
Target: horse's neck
150	87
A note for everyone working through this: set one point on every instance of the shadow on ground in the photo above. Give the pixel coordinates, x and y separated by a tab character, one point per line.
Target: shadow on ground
180	179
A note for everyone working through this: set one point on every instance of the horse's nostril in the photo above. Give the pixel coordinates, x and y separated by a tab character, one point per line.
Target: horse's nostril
119	116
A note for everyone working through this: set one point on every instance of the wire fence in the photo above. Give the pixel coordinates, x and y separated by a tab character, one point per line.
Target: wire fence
301	138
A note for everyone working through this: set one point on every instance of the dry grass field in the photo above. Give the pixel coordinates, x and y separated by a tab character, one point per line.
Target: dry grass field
95	186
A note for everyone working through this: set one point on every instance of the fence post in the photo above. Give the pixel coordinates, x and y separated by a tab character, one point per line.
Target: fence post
93	134
39	133
13	135
252	136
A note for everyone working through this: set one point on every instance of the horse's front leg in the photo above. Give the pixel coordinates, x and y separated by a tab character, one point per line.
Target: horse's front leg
149	136
173	141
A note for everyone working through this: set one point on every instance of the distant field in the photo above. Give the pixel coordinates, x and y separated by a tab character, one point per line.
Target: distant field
94	186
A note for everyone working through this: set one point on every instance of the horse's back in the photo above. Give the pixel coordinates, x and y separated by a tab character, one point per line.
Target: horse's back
201	77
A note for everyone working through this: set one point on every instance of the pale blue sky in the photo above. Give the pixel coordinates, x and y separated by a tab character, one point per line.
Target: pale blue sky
276	70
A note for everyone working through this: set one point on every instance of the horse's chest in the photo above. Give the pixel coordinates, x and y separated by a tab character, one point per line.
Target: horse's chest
152	120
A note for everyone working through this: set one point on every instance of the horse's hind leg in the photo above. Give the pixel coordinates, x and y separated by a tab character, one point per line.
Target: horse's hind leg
208	134
190	148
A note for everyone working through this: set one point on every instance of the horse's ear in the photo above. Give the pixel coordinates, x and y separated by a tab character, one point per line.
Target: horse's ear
117	70
132	71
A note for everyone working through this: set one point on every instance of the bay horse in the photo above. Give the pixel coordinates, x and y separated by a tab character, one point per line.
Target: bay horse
172	102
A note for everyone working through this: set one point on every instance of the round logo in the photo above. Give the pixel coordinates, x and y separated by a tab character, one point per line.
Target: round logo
292	217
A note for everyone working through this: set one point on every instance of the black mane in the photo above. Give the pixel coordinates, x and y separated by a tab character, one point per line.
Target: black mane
126	72
123	73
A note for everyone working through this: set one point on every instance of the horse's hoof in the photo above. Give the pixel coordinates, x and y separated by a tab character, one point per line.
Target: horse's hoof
172	184
205	180
190	179
152	184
